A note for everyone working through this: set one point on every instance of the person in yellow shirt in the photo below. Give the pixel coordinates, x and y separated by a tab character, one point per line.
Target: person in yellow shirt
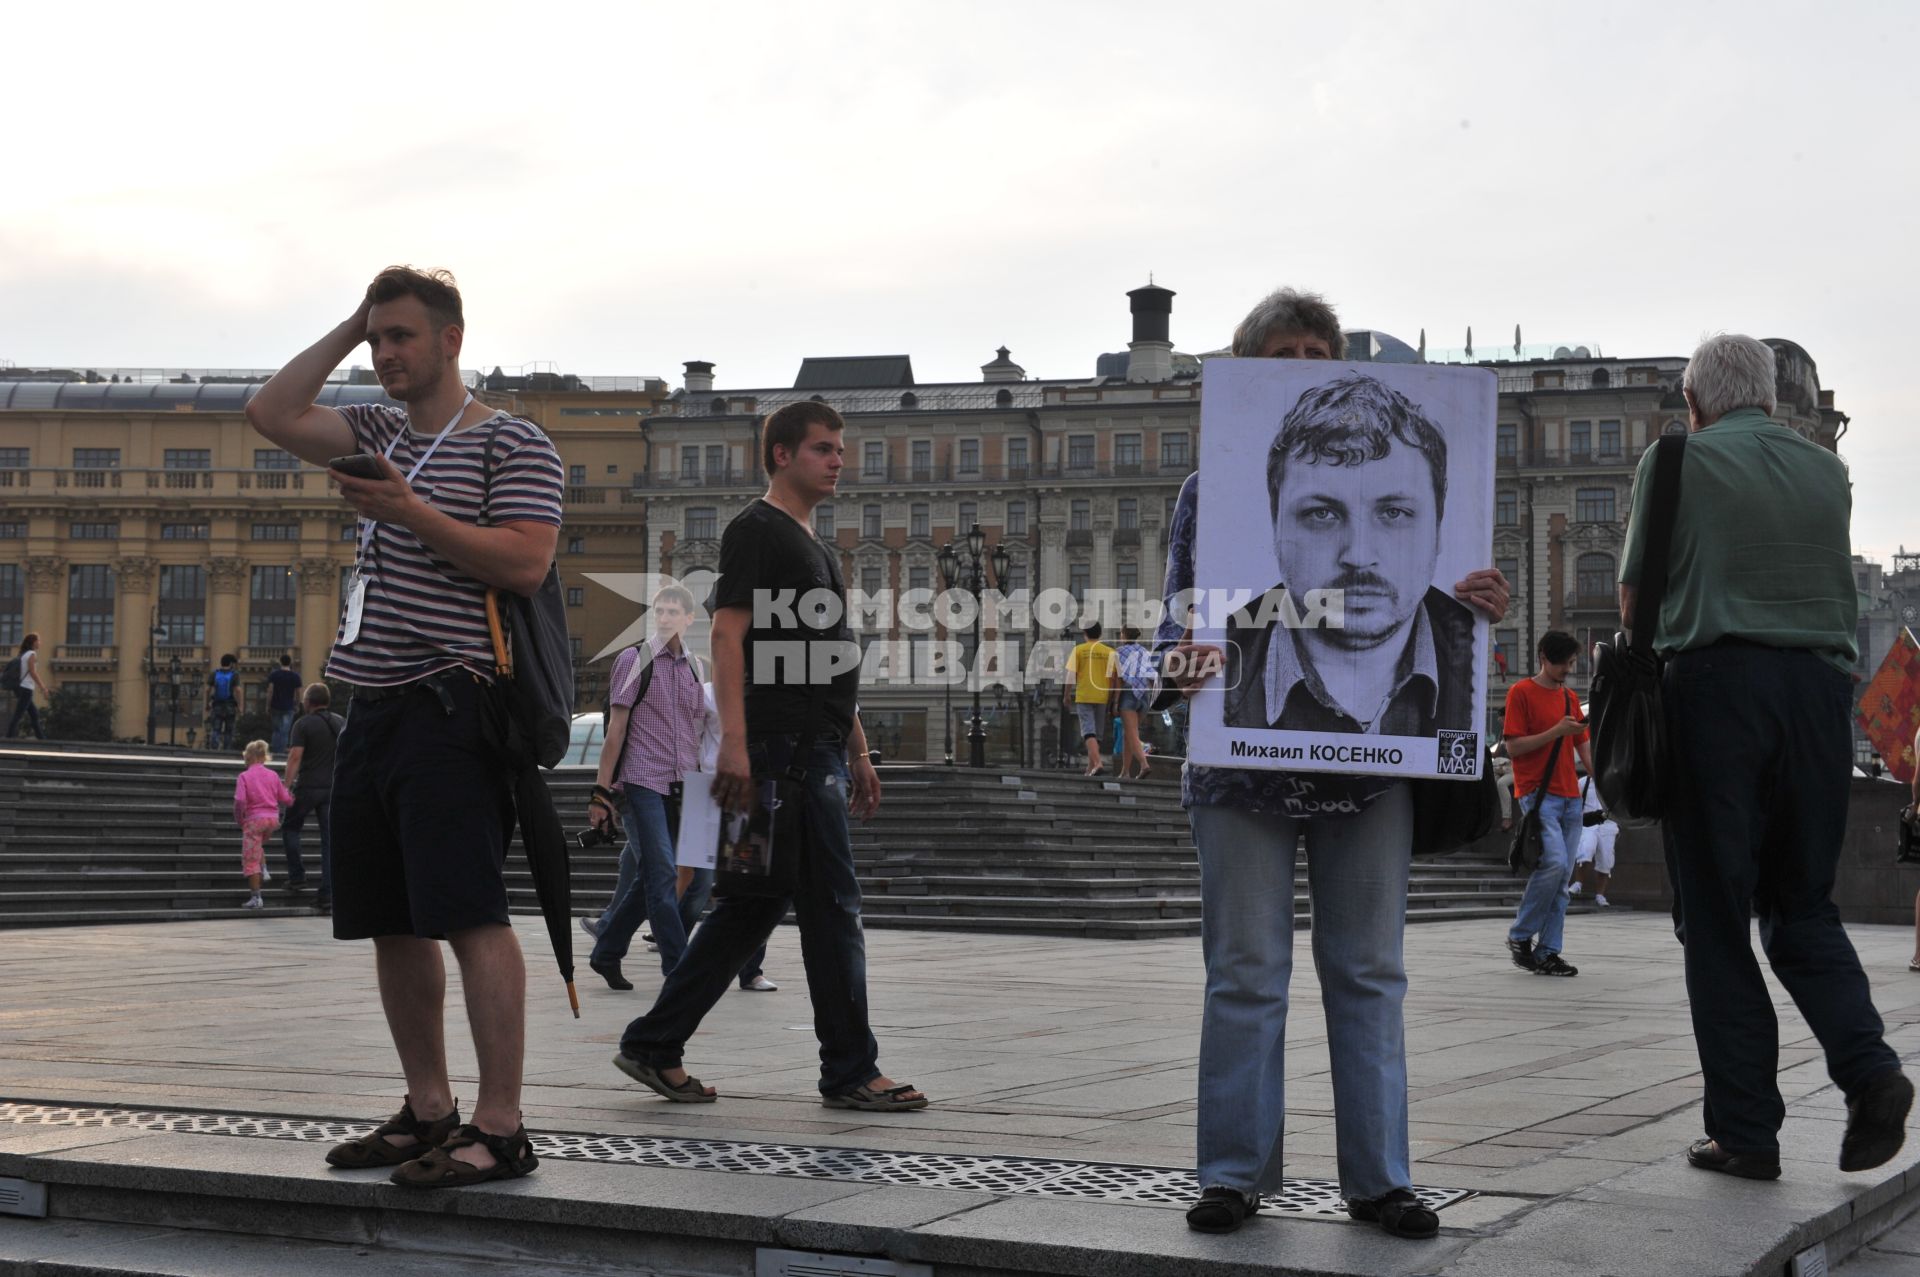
1090	672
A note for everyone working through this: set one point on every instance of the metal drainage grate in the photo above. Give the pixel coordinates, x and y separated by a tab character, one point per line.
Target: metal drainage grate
1093	1181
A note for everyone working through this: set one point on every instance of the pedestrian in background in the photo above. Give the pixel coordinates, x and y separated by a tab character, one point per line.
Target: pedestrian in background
283	701
1135	668
311	747
22	676
223	703
1542	714
1089	689
258	797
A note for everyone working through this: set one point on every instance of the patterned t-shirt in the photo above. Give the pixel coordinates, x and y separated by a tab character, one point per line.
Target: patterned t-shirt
422	614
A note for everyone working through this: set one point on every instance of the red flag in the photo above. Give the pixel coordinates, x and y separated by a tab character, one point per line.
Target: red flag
1890	707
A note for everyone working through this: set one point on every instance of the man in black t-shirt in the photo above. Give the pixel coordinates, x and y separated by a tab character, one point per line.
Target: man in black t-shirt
283	701
312	743
786	673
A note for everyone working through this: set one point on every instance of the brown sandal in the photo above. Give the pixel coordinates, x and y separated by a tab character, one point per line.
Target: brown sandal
373	1148
513	1157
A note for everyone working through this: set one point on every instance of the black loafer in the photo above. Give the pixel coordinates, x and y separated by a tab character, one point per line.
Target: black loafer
1709	1156
1221	1210
1399	1213
610	972
1876	1121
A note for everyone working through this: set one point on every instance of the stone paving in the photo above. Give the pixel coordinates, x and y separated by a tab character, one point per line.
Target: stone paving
1526	1090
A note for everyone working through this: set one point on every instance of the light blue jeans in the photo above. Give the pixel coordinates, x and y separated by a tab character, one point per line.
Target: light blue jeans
1357	868
1543	909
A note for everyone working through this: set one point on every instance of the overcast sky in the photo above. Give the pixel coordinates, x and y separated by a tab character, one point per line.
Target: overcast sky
621	187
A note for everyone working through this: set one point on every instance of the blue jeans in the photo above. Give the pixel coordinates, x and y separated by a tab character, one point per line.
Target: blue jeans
1543	909
646	891
1357	867
826	904
282	726
321	807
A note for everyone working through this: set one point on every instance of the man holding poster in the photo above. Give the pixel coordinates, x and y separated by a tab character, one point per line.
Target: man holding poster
1247	824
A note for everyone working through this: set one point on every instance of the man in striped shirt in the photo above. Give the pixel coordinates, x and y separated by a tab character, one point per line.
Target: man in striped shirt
466	498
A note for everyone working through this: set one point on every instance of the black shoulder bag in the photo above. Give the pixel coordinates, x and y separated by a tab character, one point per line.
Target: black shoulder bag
1629	717
1529	844
533	661
1451	814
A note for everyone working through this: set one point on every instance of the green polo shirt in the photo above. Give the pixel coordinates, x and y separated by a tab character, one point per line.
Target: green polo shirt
1760	543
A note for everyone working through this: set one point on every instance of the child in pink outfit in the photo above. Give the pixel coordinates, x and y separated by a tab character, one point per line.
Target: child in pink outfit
258	797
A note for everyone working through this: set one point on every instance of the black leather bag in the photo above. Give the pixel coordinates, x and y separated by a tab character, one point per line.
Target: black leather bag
1909	853
533	659
1529	844
1451	814
1630	750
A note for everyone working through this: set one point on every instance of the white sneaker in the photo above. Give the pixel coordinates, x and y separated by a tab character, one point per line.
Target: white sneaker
760	984
1573	889
591	926
266	875
1601	901
254	902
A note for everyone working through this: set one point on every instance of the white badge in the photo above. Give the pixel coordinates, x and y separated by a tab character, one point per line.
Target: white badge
356	602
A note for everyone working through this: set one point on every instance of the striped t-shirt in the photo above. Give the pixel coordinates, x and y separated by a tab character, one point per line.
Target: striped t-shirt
422	614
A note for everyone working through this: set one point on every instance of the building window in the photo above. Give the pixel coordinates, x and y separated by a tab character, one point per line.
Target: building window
873	459
276	532
12	530
919	521
1126	575
1506	508
1173	503
270	618
702	521
920	578
923	459
1579	438
105	531
1079	576
716	463
1126	450
187	458
1080	515
1016	578
1509	568
13	458
274	459
1595	578
1593	505
13	606
870	522
1506	441
96	458
1609	438
823	521
1129	516
189	531
576	545
576	476
183	604
576	596
1016	518
90	605
690	464
1174	450
871	581
969	518
1508	643
969	456
1080	452
1016	458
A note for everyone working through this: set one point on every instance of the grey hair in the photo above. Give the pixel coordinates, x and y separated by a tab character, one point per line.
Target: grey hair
1285	310
1729	371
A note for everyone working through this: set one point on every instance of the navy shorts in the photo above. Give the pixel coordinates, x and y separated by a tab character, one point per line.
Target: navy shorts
422	815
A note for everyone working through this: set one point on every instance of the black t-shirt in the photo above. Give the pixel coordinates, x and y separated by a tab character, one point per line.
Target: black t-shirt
767	558
315	736
285	686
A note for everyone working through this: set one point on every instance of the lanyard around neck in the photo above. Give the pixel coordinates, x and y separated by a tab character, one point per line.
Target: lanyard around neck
367	525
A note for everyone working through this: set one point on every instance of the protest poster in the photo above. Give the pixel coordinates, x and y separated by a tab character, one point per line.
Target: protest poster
1338	505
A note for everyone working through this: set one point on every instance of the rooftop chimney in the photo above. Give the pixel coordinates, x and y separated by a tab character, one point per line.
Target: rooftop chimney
1002	368
699	376
1150	353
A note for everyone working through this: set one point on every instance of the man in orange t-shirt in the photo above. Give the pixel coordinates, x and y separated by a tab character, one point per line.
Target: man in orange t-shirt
1540	712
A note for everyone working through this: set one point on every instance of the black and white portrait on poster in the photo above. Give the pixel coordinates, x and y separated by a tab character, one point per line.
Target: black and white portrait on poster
1339	502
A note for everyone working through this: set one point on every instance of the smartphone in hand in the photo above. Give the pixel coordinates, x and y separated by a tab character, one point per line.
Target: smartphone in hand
361	465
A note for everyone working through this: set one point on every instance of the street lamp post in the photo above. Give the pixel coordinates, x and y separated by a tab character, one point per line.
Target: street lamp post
971	576
173	699
156	633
